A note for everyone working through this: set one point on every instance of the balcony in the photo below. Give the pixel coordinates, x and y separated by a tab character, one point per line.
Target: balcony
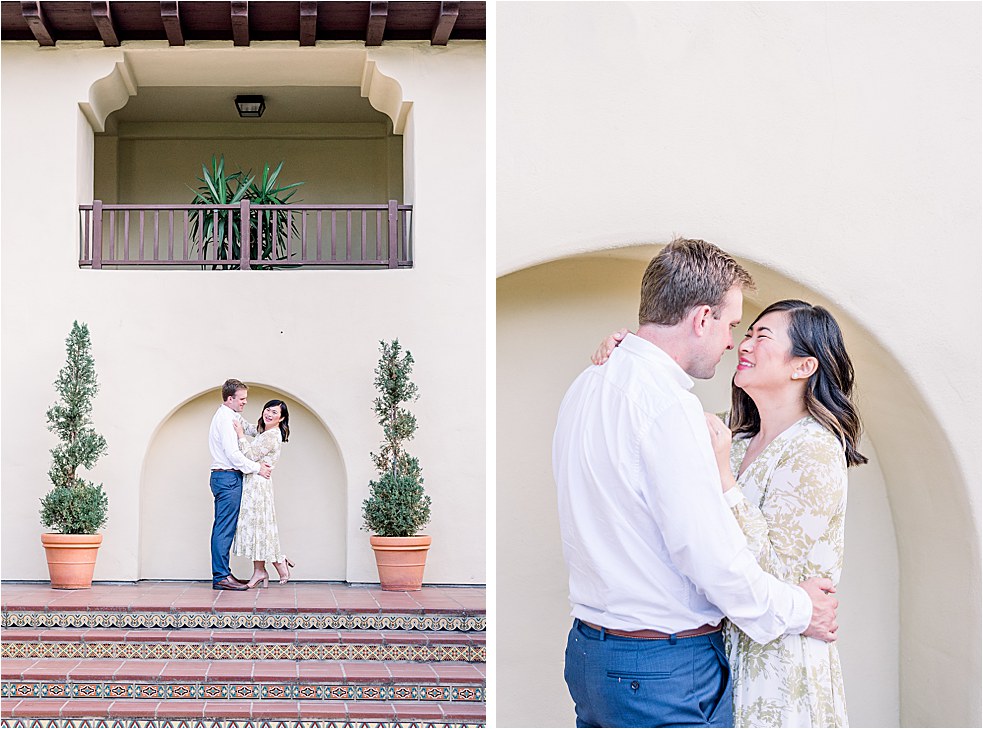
245	236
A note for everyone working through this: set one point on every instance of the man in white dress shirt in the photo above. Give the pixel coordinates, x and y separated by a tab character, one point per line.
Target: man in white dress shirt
655	558
228	465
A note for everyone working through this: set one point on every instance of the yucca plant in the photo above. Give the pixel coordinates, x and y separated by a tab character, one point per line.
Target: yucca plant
220	229
269	227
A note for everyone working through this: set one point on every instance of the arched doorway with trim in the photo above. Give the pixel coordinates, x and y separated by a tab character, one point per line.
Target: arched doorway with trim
176	506
550	318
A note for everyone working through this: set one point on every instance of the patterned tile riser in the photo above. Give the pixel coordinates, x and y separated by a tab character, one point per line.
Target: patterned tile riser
224	724
245	651
241	691
241	621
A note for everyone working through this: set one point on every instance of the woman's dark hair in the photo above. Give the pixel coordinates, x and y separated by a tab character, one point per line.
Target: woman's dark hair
814	333
284	423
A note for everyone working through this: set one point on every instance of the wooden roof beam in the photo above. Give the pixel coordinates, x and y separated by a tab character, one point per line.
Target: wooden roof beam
378	12
449	11
37	22
103	19
308	22
172	22
240	23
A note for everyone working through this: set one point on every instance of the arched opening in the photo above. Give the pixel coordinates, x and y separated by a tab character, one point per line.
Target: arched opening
176	507
334	121
550	318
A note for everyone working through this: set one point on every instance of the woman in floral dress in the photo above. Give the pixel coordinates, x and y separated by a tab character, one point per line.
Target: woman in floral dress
795	432
256	535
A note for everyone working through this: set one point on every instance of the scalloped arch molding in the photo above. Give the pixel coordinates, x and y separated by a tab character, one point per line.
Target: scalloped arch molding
227	66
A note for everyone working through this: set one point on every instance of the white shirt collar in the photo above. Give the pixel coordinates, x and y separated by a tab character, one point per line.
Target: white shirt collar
657	356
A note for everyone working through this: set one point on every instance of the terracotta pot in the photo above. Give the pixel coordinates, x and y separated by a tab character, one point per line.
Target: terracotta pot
401	561
71	559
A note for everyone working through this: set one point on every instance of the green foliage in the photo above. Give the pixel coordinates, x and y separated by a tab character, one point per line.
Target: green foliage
274	223
221	229
75	506
79	509
397	505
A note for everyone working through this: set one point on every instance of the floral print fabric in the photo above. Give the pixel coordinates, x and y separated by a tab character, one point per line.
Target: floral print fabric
793	518
256	533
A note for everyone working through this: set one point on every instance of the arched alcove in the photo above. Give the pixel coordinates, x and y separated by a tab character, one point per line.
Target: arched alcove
176	506
550	318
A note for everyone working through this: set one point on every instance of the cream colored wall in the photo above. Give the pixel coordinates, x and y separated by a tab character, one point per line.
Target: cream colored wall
837	146
159	161
161	338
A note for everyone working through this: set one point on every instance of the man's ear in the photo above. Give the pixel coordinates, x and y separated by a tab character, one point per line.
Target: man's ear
700	317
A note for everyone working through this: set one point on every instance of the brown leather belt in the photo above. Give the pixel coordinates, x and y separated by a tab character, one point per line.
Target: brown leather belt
655	634
226	470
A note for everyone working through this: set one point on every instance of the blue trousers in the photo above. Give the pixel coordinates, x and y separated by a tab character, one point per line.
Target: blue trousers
227	489
631	682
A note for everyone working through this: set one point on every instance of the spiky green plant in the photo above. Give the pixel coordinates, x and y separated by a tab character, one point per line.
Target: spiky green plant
275	224
75	506
220	229
397	505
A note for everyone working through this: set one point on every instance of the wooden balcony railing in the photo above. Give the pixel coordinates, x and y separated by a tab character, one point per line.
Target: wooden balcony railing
244	236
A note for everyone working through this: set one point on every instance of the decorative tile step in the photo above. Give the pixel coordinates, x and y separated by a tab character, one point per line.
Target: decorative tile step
218	713
310	645
241	680
239	621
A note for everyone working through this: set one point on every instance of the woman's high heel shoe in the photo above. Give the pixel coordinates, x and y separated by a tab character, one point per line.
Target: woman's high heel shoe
265	579
286	564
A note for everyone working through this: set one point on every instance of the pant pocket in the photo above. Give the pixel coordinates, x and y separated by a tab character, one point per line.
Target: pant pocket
722	711
639	675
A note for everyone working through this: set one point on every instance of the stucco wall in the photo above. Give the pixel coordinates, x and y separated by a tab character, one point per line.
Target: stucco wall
161	338
338	163
834	145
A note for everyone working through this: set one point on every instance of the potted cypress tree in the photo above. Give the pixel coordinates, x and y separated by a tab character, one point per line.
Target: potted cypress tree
74	509
397	507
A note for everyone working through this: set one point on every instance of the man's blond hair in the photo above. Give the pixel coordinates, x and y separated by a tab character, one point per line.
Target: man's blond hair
684	274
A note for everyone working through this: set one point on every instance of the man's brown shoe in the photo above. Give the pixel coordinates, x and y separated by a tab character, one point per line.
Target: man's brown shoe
236	579
228	583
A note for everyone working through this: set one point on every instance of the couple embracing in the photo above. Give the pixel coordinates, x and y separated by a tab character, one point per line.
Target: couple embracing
673	519
243	457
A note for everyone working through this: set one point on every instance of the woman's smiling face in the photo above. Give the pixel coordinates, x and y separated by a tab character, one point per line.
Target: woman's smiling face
272	416
764	354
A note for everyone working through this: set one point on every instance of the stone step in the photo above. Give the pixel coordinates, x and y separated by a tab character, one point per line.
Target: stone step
243	680
297	645
24	712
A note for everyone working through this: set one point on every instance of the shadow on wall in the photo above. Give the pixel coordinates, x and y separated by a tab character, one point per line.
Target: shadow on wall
551	317
176	506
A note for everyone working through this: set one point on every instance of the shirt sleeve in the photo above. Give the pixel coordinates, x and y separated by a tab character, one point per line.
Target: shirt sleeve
265	447
230	448
247	427
702	538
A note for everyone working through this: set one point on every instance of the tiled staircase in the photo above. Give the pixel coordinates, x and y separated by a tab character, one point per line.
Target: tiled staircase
178	654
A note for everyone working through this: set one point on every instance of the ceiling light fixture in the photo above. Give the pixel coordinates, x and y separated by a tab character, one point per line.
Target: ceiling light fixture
250	106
